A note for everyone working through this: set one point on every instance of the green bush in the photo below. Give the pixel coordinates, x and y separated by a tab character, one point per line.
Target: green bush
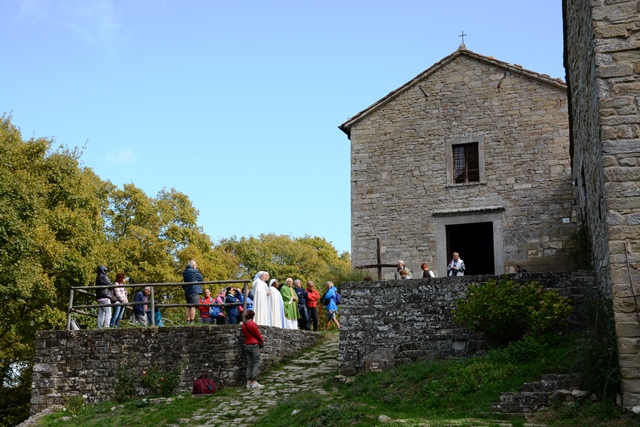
506	311
126	385
160	383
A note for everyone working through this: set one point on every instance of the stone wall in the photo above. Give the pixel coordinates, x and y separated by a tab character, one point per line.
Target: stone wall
400	182
602	59
393	322
86	362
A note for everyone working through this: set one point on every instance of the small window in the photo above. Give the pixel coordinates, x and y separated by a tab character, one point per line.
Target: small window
466	164
465	160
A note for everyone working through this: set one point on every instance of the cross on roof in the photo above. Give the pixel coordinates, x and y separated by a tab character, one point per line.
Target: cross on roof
462	35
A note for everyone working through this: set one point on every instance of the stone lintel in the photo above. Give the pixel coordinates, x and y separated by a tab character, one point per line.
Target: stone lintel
468	211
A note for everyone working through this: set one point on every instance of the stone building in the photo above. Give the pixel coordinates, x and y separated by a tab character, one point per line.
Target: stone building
472	155
602	61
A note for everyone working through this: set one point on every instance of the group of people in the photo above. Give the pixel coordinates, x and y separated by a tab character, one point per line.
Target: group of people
454	268
114	294
290	306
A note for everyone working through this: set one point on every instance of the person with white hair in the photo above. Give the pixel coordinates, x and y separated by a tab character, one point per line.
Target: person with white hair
192	292
401	267
277	305
456	266
261	299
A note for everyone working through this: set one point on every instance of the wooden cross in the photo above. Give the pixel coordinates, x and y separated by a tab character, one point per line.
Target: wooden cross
379	264
462	35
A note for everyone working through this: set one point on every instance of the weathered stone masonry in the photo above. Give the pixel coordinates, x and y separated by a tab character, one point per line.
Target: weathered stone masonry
86	362
401	321
602	60
401	189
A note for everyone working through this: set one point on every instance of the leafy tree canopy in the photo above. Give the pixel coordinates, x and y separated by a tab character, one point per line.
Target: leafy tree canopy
59	220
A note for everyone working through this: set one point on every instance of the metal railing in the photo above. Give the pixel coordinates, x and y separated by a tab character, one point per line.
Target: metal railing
151	302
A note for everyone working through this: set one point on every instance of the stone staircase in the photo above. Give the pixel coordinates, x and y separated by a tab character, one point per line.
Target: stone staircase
538	394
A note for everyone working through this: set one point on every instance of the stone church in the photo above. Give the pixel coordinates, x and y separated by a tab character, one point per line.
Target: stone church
471	156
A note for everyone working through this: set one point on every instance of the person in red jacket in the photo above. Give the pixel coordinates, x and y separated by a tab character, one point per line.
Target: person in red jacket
205	317
312	304
253	342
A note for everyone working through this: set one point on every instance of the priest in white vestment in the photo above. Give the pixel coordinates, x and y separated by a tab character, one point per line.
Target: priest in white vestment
261	299
277	305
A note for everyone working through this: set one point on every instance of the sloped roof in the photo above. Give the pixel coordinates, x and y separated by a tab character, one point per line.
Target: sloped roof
462	51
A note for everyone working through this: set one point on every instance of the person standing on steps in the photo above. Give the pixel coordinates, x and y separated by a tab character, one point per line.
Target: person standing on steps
331	306
192	292
303	321
253	342
456	266
426	273
313	296
401	267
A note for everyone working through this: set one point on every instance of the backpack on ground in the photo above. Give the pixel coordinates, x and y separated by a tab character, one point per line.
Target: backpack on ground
204	385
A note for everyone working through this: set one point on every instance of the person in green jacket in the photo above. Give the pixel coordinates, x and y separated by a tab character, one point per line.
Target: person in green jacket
290	300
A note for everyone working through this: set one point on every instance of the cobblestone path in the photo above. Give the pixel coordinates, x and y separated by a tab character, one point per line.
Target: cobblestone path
308	373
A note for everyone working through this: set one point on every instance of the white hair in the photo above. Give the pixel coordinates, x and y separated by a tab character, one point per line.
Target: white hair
191	264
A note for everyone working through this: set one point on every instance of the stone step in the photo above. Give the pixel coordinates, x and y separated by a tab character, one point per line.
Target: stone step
536	395
553	382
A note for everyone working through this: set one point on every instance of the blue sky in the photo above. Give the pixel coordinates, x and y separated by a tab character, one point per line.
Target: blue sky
237	103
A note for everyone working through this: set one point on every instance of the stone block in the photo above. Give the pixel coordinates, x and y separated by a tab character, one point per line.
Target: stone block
628	330
611	31
631	385
628	346
615	71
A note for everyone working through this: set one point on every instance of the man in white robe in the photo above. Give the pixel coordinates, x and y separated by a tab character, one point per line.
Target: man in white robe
261	299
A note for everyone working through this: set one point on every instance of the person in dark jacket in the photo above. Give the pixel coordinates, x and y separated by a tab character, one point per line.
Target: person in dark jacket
103	296
304	322
140	310
192	292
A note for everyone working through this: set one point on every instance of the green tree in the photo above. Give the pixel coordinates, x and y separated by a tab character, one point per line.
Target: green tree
50	239
305	258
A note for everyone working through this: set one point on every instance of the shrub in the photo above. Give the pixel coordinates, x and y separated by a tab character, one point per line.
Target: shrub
506	311
126	385
160	383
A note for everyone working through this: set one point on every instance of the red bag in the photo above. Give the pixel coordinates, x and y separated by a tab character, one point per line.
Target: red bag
204	385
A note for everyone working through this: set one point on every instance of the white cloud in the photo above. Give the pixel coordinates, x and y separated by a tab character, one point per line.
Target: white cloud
122	156
94	22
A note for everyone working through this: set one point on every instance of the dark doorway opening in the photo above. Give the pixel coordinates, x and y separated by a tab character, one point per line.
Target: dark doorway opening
474	243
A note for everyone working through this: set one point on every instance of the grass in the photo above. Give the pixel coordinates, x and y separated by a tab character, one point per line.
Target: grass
429	393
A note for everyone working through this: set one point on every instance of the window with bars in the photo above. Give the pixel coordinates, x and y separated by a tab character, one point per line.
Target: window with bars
466	163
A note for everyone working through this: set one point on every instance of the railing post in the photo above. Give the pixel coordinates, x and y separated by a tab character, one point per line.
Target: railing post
69	310
153	306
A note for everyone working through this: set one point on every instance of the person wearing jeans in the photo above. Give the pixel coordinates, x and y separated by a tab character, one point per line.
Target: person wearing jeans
121	295
253	342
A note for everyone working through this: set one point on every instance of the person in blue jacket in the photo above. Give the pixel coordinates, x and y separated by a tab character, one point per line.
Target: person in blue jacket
331	306
234	295
192	292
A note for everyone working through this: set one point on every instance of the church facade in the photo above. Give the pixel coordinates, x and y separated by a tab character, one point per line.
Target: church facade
471	156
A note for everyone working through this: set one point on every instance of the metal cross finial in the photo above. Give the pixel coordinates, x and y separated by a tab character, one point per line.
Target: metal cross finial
462	35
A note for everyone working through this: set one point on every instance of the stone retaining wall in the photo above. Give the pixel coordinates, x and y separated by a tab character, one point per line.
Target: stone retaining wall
86	362
393	322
